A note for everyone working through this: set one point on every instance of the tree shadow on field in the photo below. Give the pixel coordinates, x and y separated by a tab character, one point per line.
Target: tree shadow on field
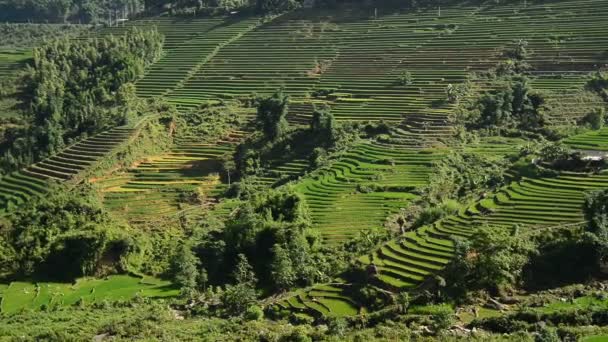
559	264
201	168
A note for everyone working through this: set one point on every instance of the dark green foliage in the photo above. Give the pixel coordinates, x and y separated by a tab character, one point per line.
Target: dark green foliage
559	250
324	128
186	270
276	6
519	51
493	259
59	11
323	140
240	296
514	106
254	313
271	117
599	84
595	119
100	70
77	88
596	214
30	35
405	79
442	320
282	268
459	174
272	230
62	236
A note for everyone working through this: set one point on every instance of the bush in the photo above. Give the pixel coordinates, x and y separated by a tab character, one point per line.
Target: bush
595	119
254	313
301	319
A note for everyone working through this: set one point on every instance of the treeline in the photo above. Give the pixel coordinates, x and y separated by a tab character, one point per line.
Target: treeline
28	35
76	11
110	11
76	88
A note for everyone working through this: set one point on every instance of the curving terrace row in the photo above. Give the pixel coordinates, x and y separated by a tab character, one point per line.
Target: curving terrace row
17	187
162	185
529	203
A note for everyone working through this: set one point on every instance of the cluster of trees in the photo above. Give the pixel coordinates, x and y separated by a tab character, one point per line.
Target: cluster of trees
497	259
514	106
76	88
267	246
599	84
276	141
29	35
493	260
63	236
461	174
109	11
272	230
196	6
596	234
60	11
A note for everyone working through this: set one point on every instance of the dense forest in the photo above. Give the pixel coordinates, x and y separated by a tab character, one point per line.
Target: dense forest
78	88
336	171
110	11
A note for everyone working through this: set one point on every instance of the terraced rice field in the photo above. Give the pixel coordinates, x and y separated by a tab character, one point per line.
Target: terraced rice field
17	187
10	60
593	140
324	300
351	60
340	211
158	186
406	262
530	203
189	45
359	57
19	296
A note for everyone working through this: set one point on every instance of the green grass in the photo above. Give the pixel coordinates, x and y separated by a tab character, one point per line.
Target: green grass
430	309
599	338
25	295
578	303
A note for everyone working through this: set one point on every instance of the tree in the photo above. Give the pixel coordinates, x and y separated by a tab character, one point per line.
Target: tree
596	118
515	105
282	269
493	259
81	87
271	115
454	93
596	235
243	273
498	256
405	79
63	235
460	174
520	51
240	296
403	301
275	6
229	166
323	127
273	230
186	270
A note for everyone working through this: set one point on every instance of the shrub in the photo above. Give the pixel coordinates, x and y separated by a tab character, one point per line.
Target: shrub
595	119
254	313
